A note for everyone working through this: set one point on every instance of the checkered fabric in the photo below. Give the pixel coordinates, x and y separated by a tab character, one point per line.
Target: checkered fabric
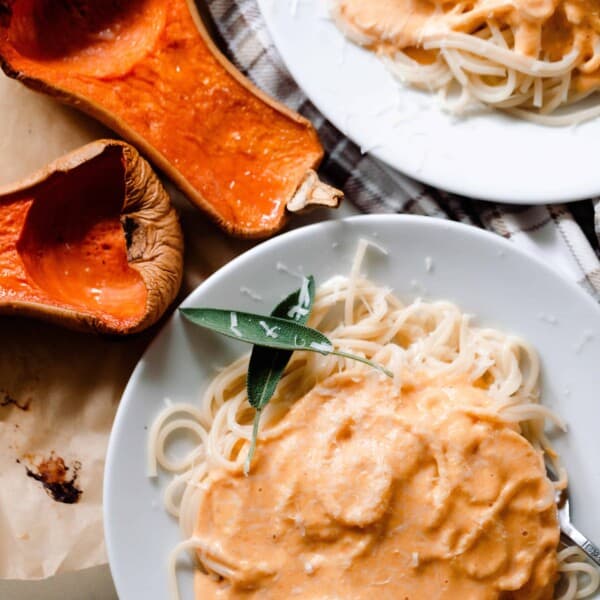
565	236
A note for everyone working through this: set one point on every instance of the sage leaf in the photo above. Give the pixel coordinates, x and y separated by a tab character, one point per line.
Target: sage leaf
271	332
267	364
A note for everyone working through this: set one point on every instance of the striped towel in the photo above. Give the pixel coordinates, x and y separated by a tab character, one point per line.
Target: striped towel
565	236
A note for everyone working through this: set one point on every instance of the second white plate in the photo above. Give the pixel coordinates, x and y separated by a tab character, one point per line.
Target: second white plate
490	156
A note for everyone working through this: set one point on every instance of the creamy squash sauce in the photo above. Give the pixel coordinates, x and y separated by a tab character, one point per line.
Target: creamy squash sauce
363	491
544	29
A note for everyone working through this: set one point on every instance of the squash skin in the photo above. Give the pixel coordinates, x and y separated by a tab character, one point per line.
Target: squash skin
264	221
154	243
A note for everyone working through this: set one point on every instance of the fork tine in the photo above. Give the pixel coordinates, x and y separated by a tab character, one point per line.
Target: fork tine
568	531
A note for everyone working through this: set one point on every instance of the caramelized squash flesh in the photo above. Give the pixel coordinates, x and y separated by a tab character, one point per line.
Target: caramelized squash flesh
93	39
148	69
73	246
63	243
66	244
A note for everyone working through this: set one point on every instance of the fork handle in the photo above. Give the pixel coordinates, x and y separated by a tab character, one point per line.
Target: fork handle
580	540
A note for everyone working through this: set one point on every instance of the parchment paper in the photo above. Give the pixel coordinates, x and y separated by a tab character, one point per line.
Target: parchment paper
69	383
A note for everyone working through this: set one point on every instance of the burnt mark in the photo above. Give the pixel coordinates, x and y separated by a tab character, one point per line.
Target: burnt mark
129	227
7	400
58	480
135	238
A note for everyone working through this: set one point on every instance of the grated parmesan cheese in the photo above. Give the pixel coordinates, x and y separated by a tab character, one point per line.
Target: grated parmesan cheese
269	331
234	324
326	348
250	293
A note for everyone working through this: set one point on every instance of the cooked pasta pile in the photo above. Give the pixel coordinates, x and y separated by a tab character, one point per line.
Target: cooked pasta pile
527	58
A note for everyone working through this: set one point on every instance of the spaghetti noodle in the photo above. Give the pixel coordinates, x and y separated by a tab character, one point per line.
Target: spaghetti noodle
525	57
432	339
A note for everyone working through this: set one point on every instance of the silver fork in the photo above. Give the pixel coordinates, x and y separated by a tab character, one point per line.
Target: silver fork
568	529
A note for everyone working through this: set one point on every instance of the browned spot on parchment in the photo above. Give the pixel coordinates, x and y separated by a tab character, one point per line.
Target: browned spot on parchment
59	481
7	400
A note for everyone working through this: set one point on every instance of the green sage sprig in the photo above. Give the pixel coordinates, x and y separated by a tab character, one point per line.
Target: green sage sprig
270	332
275	338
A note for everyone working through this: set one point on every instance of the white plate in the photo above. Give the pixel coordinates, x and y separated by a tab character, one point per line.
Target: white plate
481	272
490	156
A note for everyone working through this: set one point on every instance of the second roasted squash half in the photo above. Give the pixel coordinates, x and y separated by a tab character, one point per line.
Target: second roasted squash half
90	242
149	70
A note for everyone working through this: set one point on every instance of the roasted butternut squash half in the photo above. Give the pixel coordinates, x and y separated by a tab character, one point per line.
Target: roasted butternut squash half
90	242
149	70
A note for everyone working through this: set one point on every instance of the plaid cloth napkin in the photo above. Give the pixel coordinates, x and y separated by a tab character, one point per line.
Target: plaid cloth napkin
564	236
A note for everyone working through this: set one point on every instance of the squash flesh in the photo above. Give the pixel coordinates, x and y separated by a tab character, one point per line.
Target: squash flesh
86	33
244	157
62	244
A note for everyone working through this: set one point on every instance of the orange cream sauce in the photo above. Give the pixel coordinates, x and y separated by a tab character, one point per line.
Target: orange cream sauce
365	493
62	244
544	29
245	157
